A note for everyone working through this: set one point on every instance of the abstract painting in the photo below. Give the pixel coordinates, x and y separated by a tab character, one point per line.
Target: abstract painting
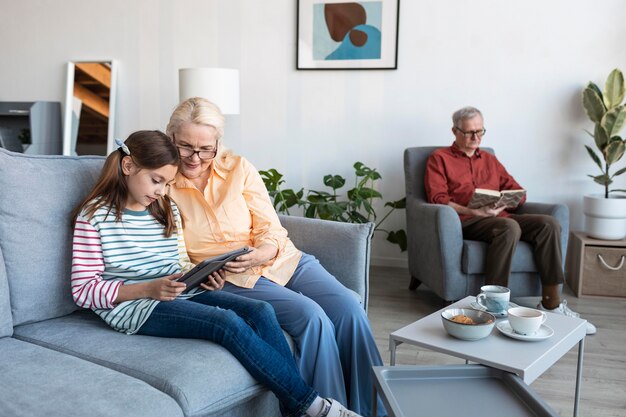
336	34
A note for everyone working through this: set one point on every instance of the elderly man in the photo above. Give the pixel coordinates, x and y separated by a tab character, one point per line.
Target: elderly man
452	175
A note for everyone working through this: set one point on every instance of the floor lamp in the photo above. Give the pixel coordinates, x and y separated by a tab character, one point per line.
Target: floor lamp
219	85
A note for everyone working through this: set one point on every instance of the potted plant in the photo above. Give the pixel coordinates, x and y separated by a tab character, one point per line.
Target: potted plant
357	206
606	213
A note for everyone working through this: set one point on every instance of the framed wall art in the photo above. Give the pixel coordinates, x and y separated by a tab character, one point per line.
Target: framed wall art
339	34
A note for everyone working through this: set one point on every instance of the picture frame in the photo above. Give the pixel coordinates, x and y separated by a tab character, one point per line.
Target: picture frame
344	35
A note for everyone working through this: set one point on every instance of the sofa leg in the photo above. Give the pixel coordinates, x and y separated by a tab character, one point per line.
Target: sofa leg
414	283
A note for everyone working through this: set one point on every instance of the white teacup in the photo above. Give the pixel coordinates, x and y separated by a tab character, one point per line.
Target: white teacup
526	321
494	298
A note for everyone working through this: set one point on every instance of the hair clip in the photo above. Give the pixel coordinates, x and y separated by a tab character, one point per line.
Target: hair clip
122	146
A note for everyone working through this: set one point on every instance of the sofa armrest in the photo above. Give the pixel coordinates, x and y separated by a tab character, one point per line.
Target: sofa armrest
342	248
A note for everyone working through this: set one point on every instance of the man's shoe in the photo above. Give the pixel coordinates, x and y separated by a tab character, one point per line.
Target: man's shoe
566	311
338	410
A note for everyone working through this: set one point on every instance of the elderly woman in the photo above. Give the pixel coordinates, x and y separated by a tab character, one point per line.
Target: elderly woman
225	206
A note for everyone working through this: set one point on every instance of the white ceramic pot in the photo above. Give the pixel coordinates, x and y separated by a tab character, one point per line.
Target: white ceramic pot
605	218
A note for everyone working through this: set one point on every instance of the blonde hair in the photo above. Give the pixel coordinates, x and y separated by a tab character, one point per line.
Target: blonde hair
200	111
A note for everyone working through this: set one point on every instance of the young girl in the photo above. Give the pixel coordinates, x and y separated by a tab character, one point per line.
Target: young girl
128	252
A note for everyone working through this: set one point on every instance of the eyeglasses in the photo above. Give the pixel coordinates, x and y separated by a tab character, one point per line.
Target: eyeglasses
188	152
471	133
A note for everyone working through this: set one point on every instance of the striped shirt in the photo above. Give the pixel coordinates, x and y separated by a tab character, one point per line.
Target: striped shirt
107	254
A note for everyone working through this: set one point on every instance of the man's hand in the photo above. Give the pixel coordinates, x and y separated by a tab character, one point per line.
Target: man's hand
257	256
489	211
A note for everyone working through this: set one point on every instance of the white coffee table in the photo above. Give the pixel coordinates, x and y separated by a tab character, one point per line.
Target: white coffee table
528	360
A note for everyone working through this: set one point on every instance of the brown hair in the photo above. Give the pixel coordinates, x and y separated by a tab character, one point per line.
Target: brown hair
149	149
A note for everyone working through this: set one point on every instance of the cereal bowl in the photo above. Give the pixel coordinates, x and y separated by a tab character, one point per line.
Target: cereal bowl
467	324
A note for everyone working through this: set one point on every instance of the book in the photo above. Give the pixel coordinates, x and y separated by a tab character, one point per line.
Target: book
484	197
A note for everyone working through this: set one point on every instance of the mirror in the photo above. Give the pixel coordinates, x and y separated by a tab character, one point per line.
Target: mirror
89	119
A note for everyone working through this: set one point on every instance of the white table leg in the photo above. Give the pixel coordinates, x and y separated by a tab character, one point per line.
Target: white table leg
579	372
393	344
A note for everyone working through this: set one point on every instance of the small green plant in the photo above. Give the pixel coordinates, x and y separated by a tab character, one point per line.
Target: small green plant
355	207
608	113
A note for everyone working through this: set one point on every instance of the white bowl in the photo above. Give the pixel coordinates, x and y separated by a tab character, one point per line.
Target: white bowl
483	327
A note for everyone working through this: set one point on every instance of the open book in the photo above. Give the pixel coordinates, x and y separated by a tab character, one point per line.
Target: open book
508	198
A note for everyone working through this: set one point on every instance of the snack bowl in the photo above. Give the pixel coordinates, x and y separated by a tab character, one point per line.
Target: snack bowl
482	327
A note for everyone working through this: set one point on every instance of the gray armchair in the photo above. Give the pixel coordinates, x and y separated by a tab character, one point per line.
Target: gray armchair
439	257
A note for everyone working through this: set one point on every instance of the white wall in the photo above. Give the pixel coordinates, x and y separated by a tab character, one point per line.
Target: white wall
522	63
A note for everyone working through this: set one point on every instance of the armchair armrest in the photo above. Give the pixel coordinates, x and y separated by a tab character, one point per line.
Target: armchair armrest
435	241
559	211
342	248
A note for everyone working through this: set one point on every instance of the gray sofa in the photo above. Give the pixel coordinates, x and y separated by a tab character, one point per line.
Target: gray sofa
59	360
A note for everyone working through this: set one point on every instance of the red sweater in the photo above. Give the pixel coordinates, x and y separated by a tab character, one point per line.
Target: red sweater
451	175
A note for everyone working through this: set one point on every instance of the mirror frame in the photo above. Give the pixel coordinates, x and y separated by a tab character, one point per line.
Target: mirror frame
69	98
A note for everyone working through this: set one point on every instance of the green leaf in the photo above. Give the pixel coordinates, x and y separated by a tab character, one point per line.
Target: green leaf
614	152
603	179
617	190
600	137
593	104
398	204
357	217
398	237
595	157
310	212
620	172
613	120
614	89
334	181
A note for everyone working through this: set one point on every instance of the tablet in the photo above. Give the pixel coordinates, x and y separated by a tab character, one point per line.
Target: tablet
200	272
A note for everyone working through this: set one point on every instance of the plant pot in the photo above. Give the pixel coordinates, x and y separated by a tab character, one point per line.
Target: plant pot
605	218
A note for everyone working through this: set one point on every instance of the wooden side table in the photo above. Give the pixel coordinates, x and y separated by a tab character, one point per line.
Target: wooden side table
596	268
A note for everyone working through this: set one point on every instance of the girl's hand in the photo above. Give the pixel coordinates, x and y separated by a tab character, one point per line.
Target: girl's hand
257	256
166	288
215	281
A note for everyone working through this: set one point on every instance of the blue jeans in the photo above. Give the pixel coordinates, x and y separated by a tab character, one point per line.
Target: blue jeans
335	346
248	329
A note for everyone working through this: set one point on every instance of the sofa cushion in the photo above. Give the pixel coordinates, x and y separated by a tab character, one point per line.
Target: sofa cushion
474	254
38	195
6	321
35	381
201	376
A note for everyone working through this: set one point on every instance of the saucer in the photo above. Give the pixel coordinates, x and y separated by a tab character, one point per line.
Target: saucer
477	306
543	333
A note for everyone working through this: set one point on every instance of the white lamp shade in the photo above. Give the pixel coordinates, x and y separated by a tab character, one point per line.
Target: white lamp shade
219	85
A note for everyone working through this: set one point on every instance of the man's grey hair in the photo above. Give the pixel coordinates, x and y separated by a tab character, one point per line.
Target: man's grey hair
465	113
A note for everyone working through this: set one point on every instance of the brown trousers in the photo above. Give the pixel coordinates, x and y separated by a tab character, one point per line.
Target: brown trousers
502	234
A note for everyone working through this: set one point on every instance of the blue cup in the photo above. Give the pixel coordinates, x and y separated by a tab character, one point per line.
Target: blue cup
494	298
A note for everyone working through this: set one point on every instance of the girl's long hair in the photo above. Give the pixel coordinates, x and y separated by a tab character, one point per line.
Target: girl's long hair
149	149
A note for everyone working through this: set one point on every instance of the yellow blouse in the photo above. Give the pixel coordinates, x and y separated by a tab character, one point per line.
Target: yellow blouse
234	211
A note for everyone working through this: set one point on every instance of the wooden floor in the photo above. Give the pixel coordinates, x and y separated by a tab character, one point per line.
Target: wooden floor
603	392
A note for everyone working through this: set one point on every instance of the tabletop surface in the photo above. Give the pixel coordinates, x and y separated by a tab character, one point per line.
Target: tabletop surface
528	359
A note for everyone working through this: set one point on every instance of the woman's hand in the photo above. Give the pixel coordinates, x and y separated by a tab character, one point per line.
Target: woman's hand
215	281
257	256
